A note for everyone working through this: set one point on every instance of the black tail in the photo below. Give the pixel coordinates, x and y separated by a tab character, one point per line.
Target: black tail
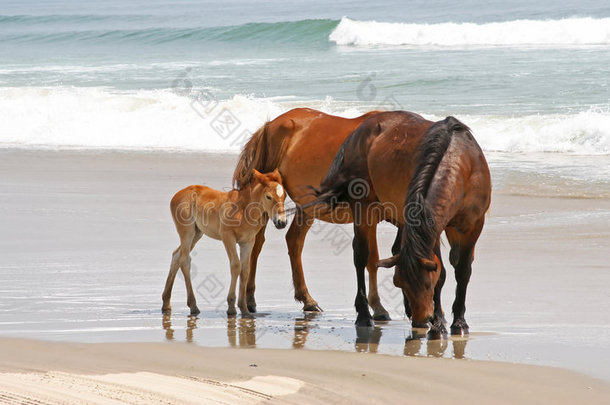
420	230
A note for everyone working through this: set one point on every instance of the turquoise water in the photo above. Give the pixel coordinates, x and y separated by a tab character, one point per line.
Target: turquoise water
527	77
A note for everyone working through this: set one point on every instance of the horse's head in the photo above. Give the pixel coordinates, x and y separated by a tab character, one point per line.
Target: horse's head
417	279
271	196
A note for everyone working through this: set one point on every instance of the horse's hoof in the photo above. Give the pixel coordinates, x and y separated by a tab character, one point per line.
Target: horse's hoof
437	333
231	312
252	308
312	308
420	325
365	322
195	311
459	331
460	328
382	317
166	310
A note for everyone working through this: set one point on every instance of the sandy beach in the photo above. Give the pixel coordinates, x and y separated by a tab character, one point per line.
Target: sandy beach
182	373
86	254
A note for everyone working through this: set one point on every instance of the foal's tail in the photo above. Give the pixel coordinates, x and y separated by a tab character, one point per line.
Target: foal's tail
420	227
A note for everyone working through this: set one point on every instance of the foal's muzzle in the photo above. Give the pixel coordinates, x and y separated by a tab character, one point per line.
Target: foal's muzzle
280	223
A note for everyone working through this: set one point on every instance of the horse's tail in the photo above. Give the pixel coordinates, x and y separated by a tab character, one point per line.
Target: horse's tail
262	152
346	178
420	229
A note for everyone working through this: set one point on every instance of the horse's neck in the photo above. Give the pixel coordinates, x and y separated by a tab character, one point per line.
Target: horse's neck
244	197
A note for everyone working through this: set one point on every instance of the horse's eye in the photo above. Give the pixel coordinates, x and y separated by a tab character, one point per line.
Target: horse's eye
268	197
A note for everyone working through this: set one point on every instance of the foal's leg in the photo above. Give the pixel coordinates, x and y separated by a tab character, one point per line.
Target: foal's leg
361	253
379	312
169	283
295	238
245	250
229	242
461	257
186	272
188	237
256	250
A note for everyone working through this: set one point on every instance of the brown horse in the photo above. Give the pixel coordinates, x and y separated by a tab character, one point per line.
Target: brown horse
302	143
235	218
444	175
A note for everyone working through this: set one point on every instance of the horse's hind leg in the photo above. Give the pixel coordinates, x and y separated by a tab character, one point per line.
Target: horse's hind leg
361	253
169	283
461	258
295	238
256	250
379	312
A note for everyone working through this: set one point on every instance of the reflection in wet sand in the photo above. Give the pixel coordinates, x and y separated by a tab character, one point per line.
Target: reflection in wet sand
191	323
247	332
367	339
241	332
301	329
434	347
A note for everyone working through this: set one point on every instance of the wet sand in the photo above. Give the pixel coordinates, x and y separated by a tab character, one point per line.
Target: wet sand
181	373
88	238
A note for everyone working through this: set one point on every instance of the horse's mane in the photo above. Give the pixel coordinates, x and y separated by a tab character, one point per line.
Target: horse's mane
255	155
420	227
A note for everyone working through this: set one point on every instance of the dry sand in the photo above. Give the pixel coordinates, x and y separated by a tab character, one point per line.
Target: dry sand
151	373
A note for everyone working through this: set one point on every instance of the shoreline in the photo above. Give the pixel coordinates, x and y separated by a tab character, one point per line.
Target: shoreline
180	372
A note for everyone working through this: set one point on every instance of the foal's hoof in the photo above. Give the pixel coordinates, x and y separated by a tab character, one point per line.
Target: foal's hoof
365	322
195	311
459	328
313	307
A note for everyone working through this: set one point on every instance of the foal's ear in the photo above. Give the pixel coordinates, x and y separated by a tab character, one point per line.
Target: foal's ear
428	264
258	175
389	262
277	177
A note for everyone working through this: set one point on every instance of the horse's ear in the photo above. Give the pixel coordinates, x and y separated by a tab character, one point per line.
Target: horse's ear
428	264
389	262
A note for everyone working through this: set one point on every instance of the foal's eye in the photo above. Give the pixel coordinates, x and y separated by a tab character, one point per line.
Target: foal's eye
268	197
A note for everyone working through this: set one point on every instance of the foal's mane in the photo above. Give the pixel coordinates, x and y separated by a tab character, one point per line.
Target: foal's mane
420	226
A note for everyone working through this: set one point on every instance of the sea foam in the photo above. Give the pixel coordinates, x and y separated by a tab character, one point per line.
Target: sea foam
91	118
565	32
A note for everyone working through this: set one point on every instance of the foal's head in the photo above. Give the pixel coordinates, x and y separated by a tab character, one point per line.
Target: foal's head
269	192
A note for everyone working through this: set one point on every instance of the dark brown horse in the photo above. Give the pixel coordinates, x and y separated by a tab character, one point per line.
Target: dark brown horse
441	170
302	143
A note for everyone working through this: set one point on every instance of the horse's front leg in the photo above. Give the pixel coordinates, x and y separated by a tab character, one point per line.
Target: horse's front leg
379	312
438	321
295	238
361	253
229	243
245	250
256	250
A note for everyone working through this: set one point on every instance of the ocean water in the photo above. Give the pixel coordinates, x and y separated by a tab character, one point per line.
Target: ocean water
203	75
